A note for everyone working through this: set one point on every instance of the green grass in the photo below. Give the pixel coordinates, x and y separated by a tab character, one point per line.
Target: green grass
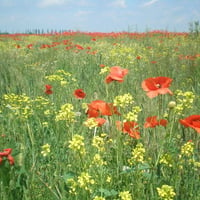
80	167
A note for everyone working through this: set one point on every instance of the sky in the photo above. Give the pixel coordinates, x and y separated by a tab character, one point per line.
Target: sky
98	15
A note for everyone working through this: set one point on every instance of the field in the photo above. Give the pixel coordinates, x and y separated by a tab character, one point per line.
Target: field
100	116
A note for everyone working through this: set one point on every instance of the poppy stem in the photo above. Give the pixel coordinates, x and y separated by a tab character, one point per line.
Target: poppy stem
159	105
106	90
95	131
183	134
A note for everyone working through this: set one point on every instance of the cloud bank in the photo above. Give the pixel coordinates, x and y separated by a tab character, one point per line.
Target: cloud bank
149	3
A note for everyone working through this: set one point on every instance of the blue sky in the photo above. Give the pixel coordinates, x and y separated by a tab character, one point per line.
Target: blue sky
98	15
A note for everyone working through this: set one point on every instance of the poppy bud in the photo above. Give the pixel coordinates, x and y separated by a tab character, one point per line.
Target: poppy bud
171	104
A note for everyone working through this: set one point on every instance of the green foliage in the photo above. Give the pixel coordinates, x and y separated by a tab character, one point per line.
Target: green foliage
56	156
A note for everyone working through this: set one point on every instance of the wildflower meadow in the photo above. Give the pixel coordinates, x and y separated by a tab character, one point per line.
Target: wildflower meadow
100	116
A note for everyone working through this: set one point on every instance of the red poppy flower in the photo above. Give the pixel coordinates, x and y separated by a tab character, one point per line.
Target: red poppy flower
79	94
100	121
48	89
156	86
197	55
99	107
152	122
68	47
129	127
91	52
79	47
11	160
7	153
30	46
18	46
116	74
193	121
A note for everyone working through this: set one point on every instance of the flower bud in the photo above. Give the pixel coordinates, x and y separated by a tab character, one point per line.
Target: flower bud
171	104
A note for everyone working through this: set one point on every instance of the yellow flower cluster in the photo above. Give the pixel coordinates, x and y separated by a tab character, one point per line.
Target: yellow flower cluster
120	55
90	123
41	101
133	115
16	98
99	143
108	179
184	101
66	113
45	124
197	164
45	150
104	70
166	159
166	192
24	107
187	149
61	76
54	77
137	155
123	100
125	195
20	105
77	144
85	181
99	198
43	105
187	156
84	106
98	161
73	185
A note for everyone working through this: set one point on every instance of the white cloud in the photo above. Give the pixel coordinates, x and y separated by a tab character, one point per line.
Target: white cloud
82	13
149	3
82	2
46	3
119	3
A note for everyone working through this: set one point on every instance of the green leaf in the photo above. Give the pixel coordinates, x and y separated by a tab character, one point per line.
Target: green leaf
108	193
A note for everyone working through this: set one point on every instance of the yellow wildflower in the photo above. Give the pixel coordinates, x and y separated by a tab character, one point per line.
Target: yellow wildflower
85	181
137	154
166	192
77	144
123	100
99	143
91	123
125	195
187	149
66	113
45	150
